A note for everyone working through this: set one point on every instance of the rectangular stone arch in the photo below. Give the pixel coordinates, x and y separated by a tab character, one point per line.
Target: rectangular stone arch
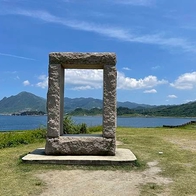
56	142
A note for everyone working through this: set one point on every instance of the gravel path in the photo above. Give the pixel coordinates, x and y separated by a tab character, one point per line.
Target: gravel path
99	183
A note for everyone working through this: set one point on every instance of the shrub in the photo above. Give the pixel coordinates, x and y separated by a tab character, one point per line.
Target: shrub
69	127
15	138
83	128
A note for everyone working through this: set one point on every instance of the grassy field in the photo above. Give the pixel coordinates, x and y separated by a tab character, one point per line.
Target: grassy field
177	162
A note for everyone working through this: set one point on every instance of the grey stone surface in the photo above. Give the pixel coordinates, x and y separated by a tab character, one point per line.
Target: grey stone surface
54	100
123	156
82	60
55	142
109	102
83	145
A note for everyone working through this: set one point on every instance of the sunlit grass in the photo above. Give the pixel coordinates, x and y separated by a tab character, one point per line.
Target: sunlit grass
177	162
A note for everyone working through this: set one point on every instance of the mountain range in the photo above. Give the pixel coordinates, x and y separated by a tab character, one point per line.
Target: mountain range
26	101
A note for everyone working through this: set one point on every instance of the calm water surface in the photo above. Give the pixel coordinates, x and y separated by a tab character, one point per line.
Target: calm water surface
8	123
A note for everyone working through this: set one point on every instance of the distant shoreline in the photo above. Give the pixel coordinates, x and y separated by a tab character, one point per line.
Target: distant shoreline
25	113
100	115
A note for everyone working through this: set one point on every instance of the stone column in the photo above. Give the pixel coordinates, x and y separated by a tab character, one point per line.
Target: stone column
109	101
62	81
55	103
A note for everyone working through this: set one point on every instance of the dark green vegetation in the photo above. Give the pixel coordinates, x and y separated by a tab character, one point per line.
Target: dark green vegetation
184	110
88	106
29	113
85	103
133	109
69	127
27	101
178	161
15	138
22	102
83	112
90	103
99	111
12	139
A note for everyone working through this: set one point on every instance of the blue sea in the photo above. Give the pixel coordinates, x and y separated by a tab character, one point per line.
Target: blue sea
10	123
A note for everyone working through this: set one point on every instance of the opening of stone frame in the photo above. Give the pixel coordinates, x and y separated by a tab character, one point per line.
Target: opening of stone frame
78	117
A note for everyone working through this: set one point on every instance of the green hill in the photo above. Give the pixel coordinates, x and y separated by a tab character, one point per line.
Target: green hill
183	110
23	101
89	103
84	103
26	101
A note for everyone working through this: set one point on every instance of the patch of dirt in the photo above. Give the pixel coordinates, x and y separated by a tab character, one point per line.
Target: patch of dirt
186	144
98	183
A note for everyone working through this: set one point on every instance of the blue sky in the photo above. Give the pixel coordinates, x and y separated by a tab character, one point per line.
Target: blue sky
154	40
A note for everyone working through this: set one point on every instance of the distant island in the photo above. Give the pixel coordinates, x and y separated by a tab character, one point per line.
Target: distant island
184	110
29	113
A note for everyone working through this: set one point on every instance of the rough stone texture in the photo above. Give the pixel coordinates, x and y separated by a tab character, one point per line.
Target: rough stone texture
82	60
54	100
58	144
109	102
65	145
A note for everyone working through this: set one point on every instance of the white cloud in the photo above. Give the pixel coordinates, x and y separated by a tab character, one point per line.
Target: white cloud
150	91
79	88
78	79
126	68
26	83
15	56
44	81
186	81
190	100
155	67
132	83
84	79
172	96
112	32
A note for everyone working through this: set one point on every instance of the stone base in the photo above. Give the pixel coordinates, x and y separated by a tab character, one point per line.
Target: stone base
80	145
122	157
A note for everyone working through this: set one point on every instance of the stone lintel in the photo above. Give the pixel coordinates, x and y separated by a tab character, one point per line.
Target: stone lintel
82	66
67	145
89	60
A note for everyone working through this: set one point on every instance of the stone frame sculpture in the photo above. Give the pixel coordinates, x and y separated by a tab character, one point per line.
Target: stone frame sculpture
58	143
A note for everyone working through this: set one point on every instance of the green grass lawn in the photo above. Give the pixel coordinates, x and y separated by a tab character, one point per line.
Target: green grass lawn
177	162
